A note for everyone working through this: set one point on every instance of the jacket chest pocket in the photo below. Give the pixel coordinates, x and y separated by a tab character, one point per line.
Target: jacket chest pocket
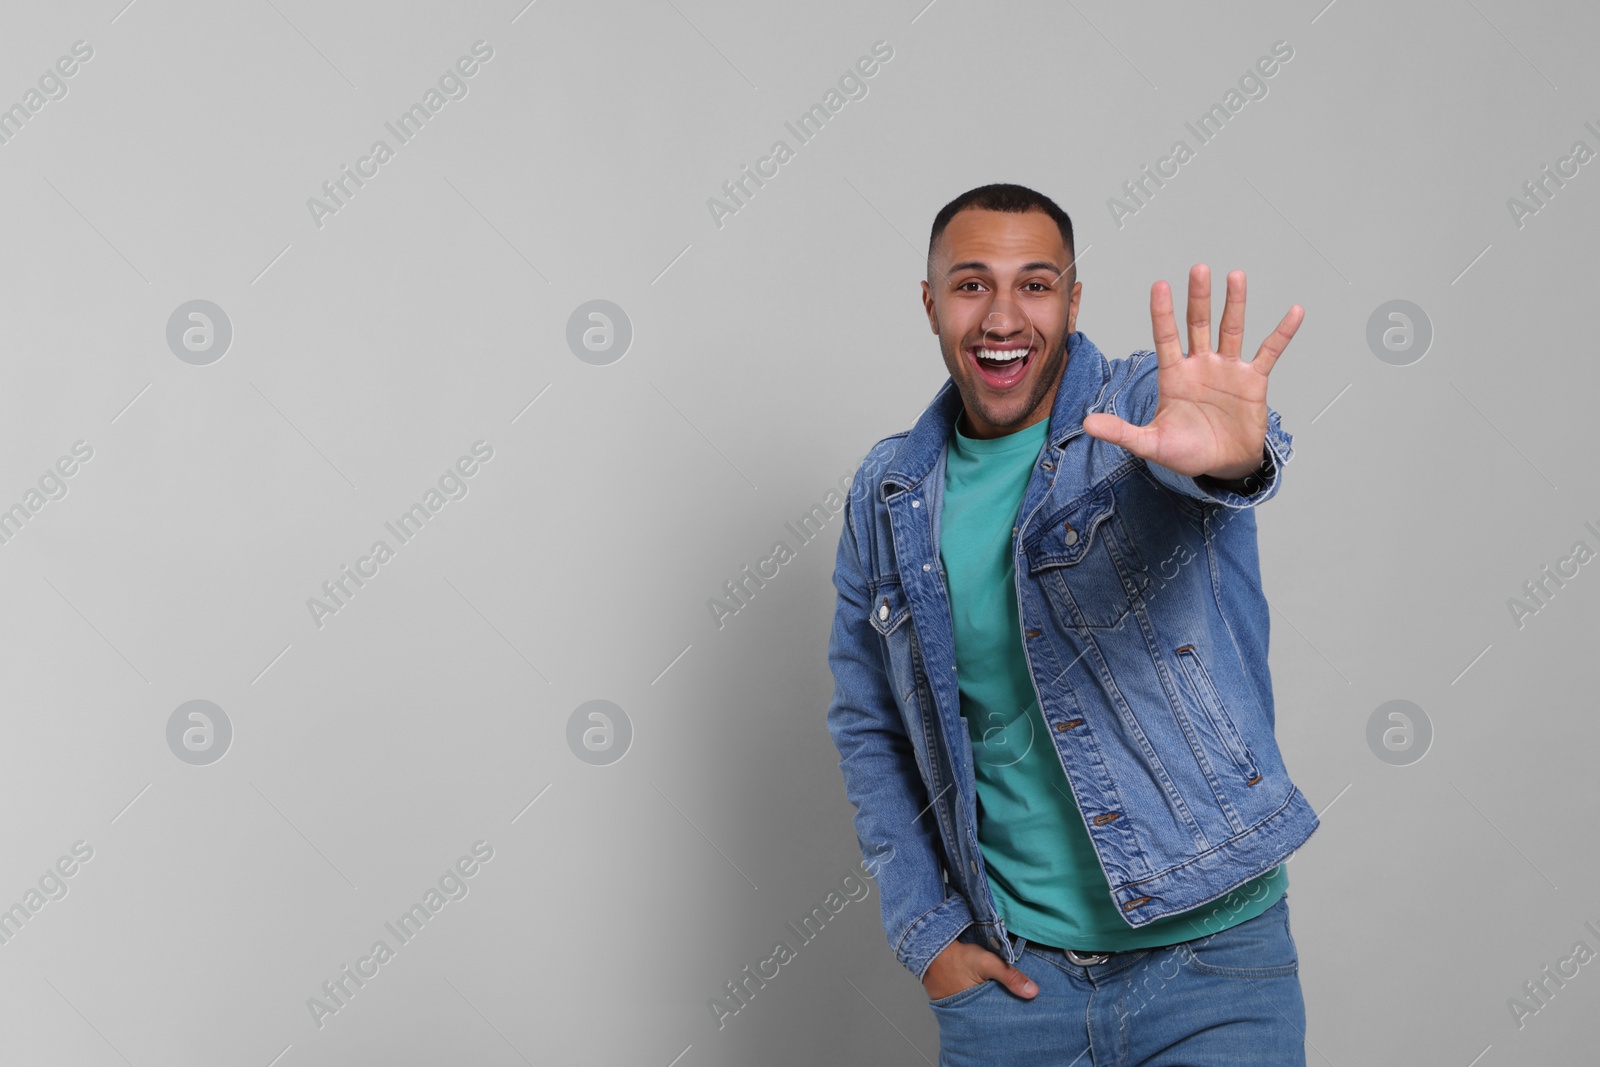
888	608
889	613
1084	564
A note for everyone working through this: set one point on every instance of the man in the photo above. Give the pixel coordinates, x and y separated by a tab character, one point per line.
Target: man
1052	702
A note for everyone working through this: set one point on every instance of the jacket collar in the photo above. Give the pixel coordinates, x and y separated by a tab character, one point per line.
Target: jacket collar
1082	381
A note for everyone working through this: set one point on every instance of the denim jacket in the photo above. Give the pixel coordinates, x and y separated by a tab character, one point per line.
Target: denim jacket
1145	631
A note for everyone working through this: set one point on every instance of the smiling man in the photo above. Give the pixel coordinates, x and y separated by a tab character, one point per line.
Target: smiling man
1051	697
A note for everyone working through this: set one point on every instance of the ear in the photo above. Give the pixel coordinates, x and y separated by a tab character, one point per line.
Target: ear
1072	307
927	304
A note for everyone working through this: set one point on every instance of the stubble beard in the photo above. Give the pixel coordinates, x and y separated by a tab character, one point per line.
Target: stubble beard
1046	376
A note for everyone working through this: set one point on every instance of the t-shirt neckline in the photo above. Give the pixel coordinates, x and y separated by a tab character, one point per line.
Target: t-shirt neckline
1030	435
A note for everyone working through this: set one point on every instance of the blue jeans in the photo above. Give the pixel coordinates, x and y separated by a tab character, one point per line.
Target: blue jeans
1229	999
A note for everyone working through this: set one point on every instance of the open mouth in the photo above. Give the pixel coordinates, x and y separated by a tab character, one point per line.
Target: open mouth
1001	366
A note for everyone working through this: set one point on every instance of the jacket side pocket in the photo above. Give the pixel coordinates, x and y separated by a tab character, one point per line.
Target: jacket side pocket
1221	722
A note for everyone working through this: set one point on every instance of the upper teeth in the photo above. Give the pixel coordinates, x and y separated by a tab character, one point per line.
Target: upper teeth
1002	355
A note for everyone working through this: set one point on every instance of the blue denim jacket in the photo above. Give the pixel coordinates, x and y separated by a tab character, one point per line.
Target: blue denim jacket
1145	631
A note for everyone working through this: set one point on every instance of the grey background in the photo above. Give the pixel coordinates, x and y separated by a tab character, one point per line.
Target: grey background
767	355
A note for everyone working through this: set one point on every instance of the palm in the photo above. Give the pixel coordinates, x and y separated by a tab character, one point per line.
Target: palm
1211	414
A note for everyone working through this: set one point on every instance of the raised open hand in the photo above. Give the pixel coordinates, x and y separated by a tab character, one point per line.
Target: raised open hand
1211	415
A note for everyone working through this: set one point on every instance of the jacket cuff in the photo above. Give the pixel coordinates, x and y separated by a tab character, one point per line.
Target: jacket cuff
932	933
1258	487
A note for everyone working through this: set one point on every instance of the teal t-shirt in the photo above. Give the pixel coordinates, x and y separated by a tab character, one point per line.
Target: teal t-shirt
1045	878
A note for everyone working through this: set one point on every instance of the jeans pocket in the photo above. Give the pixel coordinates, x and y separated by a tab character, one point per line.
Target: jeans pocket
1259	947
962	996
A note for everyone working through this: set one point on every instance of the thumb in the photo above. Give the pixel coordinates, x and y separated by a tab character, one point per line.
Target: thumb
1140	440
1008	976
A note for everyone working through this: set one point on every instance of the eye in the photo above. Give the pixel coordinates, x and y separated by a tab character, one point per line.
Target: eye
1043	286
969	281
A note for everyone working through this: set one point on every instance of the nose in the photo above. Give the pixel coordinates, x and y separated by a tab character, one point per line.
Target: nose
1004	320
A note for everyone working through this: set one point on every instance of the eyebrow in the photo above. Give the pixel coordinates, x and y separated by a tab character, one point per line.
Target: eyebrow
1038	264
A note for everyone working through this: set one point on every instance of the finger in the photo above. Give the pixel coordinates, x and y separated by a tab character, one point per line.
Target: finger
997	968
1278	340
1199	309
1140	440
1230	335
1163	327
1019	983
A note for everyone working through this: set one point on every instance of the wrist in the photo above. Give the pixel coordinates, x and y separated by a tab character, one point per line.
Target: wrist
1241	479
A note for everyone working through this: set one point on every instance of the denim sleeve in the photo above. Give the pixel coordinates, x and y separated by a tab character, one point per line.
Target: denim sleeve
1136	401
895	824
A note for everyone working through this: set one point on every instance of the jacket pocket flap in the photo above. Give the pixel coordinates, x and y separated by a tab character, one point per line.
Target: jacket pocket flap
888	607
1066	536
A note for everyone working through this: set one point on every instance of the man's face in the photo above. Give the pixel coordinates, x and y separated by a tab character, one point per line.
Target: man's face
1001	287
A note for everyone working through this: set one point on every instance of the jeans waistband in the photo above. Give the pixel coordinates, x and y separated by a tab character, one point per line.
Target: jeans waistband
1079	957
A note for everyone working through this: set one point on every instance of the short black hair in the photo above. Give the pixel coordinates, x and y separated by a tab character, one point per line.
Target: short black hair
1003	197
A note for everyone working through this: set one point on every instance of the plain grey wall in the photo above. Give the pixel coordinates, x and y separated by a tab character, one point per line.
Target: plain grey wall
371	347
